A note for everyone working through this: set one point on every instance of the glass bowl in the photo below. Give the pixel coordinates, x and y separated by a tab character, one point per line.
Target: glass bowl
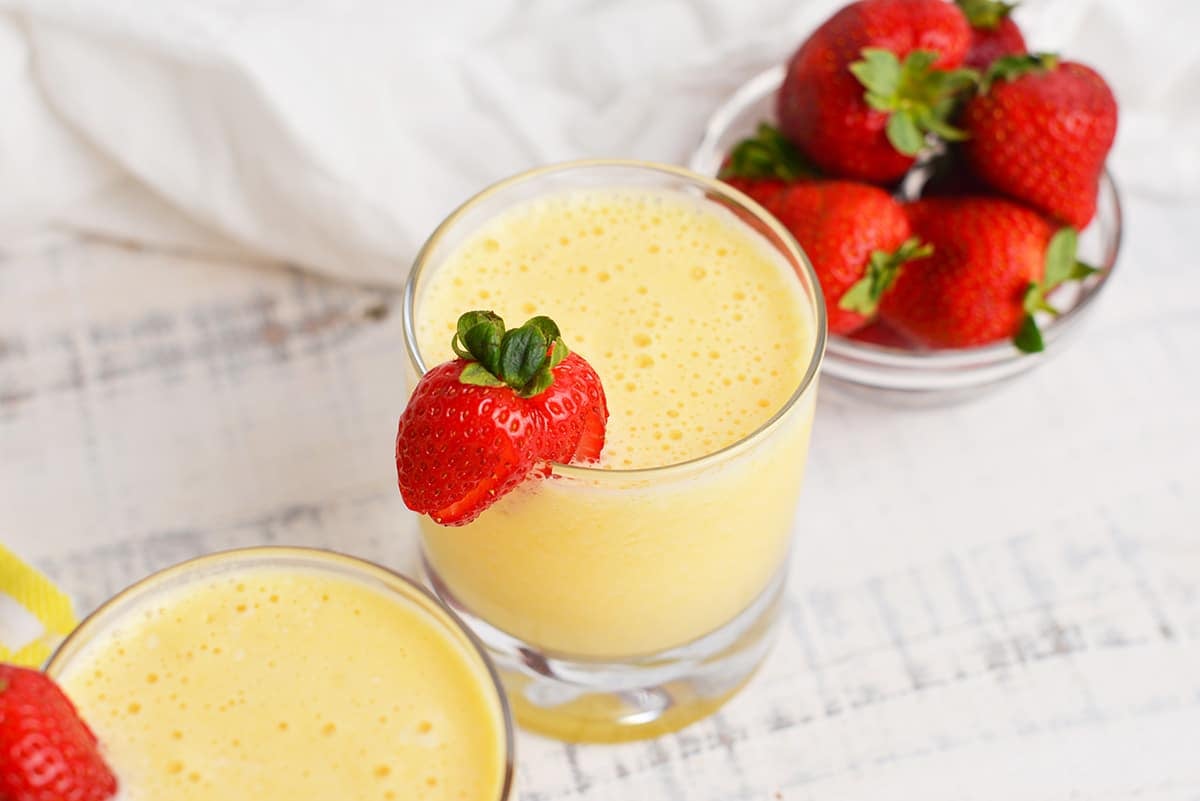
922	377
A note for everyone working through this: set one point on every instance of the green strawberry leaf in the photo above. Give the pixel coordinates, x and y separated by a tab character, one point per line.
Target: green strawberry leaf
548	327
986	14
945	130
768	154
883	269
1060	266
950	82
919	98
858	298
473	318
904	134
522	354
1060	258
477	375
1009	68
879	72
523	358
478	338
540	383
1035	300
916	70
558	352
1029	337
558	348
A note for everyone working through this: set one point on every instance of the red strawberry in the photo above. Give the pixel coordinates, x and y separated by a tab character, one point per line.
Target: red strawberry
575	411
460	446
46	752
1040	132
993	32
880	333
856	237
762	165
900	51
476	427
993	264
763	190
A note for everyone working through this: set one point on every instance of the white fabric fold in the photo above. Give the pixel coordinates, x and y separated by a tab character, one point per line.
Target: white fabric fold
335	135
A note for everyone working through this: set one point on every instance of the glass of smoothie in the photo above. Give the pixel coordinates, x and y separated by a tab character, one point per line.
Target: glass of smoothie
631	597
275	674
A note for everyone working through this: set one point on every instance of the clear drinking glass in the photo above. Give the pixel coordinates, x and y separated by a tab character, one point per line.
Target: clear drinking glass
155	592
683	565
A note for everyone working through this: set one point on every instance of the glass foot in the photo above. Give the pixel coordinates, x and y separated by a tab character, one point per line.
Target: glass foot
593	701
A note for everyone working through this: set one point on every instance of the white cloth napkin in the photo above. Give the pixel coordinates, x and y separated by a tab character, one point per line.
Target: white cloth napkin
335	135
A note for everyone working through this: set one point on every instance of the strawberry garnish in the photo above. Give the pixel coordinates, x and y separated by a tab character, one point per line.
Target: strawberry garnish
1040	131
47	753
575	411
478	426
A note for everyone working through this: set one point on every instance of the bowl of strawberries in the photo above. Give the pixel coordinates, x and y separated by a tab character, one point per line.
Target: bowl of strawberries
948	186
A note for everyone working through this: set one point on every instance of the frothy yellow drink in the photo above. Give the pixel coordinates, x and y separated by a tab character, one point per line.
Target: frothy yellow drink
698	332
701	334
279	684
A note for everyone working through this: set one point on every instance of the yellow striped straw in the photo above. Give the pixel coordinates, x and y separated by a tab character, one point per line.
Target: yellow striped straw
35	615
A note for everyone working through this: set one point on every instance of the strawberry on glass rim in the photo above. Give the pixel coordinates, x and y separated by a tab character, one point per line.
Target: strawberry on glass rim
478	426
47	753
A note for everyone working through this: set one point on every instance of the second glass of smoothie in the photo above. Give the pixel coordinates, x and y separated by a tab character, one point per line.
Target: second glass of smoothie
278	674
632	597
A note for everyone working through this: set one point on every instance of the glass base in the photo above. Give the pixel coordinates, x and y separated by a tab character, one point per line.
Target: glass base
594	701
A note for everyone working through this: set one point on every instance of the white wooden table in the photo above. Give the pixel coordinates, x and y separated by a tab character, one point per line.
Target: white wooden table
992	601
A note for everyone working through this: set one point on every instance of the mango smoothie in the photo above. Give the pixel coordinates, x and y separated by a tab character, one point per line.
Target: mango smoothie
705	340
280	674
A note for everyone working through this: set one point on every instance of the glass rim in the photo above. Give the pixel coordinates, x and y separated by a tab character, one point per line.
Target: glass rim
712	186
316	557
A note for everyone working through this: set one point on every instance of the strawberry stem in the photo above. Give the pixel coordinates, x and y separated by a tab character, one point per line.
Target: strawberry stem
918	98
986	14
521	358
882	271
1009	68
1061	265
767	154
1029	336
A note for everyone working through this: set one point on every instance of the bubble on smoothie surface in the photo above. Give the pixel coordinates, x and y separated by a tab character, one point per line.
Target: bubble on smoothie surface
698	330
182	691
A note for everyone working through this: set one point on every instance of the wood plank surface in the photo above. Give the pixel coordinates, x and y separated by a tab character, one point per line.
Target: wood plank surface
996	600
